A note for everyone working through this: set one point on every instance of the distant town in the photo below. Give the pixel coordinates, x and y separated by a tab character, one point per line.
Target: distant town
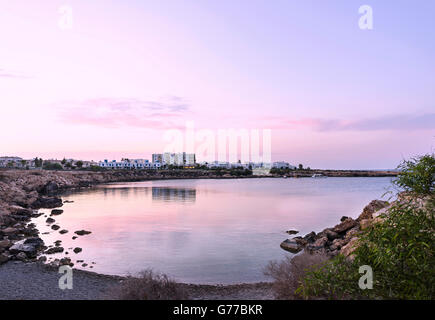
167	160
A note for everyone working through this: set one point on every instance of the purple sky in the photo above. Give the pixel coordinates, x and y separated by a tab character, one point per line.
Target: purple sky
334	96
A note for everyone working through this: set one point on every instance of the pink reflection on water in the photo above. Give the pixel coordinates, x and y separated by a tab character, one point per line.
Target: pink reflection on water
204	231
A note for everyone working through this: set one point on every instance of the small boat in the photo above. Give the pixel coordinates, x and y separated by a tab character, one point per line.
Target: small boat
318	175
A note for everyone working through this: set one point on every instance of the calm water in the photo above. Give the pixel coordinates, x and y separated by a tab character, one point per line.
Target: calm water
203	231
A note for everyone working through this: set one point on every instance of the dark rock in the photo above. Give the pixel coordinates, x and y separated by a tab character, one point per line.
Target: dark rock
57	243
345	225
63	231
331	235
311	237
344	218
82	232
300	241
74	237
37	242
47	203
29	249
50	220
65	262
77	250
292	232
55	227
291	246
337	244
56	212
54	250
50	188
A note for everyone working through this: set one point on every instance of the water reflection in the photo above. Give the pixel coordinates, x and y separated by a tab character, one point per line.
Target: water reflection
201	231
173	194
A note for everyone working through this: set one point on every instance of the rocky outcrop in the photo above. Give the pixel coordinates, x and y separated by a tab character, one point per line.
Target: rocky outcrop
342	238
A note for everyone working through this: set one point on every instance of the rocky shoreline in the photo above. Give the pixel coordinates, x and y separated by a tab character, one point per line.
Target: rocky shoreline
340	238
23	193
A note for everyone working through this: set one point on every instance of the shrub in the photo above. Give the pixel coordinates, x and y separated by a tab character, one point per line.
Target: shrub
399	247
417	175
52	166
288	274
400	251
149	286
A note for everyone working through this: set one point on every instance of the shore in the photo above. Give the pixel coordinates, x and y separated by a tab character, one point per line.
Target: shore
36	281
24	277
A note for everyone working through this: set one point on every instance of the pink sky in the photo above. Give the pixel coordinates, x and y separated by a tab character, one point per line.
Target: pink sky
334	96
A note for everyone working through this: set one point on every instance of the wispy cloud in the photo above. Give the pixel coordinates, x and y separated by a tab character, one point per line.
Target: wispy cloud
12	74
410	122
124	112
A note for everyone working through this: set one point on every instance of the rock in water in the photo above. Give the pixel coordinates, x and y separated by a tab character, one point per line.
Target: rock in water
50	220
292	232
54	250
56	212
77	250
82	232
291	246
48	203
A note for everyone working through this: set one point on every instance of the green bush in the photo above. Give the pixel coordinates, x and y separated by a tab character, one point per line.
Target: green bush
51	166
417	175
399	248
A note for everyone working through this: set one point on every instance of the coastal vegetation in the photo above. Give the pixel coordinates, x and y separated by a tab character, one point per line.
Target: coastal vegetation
148	286
398	245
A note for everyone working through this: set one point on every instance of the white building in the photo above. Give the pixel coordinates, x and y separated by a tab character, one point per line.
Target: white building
282	165
179	159
157	158
190	159
169	158
129	164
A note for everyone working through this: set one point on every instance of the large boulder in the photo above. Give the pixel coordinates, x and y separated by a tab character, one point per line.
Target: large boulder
349	248
347	224
331	235
291	246
311	237
28	246
47	203
50	188
371	208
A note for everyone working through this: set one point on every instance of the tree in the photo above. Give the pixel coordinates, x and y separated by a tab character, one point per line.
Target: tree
301	167
38	162
63	161
417	175
79	164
